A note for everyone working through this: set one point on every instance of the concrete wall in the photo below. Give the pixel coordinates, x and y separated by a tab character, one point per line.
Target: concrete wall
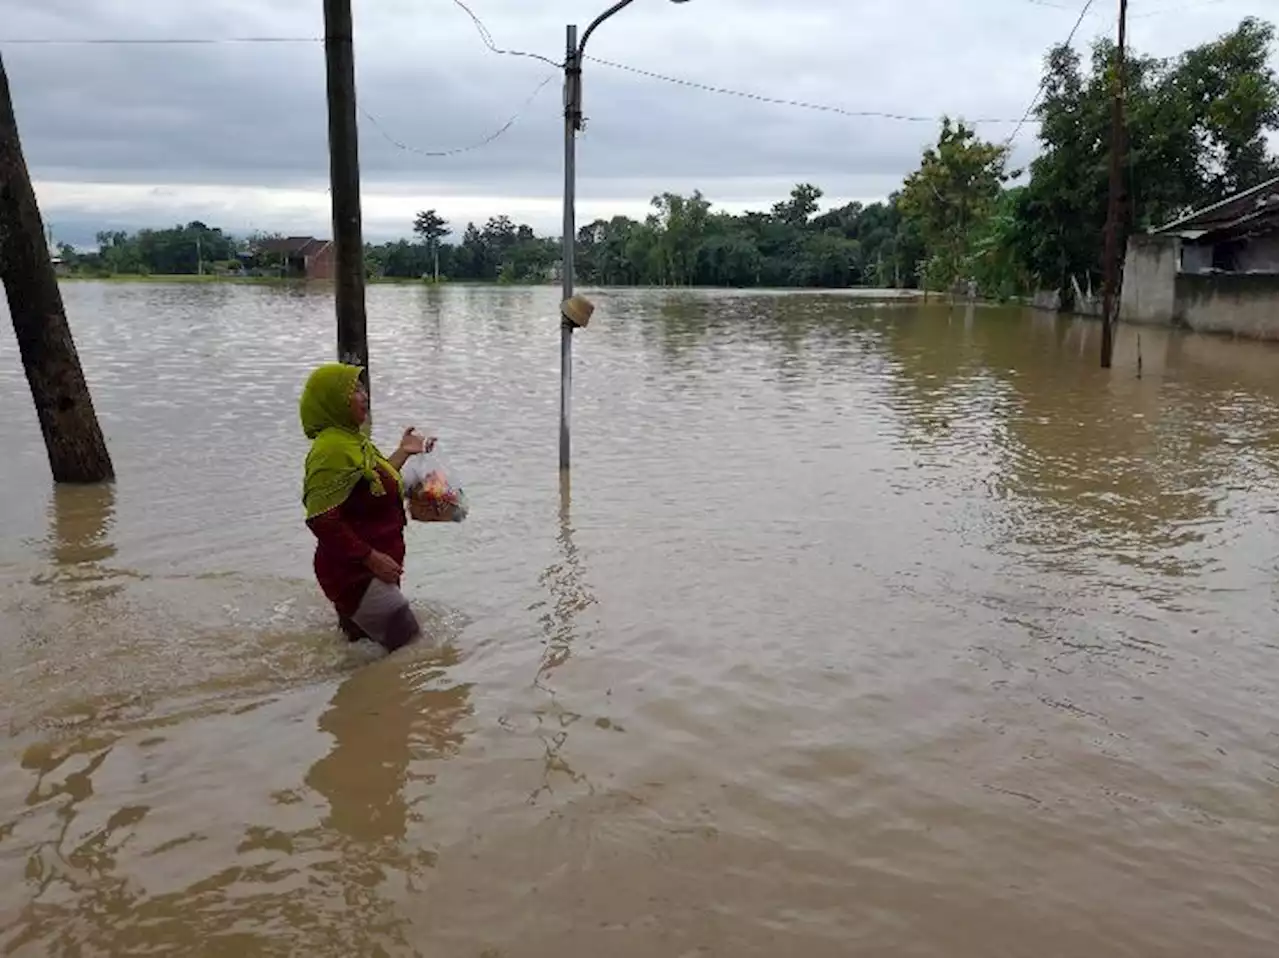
1049	299
1088	305
1150	270
1243	304
1261	253
1085	302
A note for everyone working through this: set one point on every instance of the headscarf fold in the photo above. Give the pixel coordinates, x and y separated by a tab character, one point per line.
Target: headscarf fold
341	454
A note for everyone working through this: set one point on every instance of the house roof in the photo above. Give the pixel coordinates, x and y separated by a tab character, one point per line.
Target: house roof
1258	222
1243	207
293	245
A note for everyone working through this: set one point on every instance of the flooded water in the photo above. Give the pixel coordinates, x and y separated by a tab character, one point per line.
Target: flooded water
865	629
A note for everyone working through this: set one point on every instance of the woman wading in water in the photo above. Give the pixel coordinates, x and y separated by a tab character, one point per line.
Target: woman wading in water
355	506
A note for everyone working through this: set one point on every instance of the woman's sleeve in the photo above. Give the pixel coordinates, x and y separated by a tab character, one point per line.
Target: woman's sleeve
336	534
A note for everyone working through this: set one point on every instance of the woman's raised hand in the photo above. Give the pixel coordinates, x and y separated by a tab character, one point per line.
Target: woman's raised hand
411	444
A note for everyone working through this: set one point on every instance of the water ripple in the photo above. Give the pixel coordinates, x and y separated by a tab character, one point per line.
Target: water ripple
864	626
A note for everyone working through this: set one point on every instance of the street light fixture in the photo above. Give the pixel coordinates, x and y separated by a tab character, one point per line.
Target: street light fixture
573	56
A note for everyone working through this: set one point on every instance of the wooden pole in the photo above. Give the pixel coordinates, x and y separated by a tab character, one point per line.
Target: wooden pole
344	184
72	437
1110	252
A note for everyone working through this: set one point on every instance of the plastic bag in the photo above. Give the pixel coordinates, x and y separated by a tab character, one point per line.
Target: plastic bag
430	491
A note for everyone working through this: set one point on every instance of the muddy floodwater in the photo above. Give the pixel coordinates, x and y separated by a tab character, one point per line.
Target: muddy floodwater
866	628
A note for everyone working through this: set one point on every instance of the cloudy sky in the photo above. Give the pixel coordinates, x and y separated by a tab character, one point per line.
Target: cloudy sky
233	133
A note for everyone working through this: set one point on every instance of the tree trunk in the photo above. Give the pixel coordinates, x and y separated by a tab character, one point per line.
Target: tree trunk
72	436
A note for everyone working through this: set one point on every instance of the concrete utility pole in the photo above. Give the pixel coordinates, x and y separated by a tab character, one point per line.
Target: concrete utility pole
72	437
573	56
344	184
1110	251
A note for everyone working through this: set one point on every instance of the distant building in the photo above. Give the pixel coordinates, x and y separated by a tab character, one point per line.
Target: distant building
302	257
60	266
1215	270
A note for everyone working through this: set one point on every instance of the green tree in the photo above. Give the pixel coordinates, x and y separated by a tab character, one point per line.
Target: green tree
825	259
799	206
995	263
474	259
1232	84
530	258
118	252
1196	131
952	193
432	228
681	222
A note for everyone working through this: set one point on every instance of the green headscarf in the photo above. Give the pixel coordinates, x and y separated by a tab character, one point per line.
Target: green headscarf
341	454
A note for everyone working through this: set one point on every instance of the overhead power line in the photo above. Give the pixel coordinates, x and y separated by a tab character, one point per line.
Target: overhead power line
150	41
461	149
490	43
487	37
781	101
1045	79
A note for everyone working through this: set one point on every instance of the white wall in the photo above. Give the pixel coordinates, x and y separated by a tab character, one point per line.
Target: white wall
1150	269
1242	304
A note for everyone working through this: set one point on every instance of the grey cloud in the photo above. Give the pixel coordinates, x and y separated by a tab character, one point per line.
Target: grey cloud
254	114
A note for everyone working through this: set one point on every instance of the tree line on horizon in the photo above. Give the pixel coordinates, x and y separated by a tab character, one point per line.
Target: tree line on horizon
1196	132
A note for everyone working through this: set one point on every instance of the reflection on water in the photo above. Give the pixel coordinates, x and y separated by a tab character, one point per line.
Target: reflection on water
390	722
867	627
82	517
381	718
570	596
81	520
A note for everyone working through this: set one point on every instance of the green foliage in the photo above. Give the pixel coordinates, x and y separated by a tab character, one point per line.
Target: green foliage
501	251
178	251
950	197
1196	130
1232	85
683	243
802	204
430	226
994	262
398	260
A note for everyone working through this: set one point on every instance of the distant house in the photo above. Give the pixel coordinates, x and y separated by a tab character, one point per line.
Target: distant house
1214	270
60	266
302	257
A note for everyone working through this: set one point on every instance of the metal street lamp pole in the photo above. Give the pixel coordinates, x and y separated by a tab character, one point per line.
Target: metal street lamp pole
573	53
572	123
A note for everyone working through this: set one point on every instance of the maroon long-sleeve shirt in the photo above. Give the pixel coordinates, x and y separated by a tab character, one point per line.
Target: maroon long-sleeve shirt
346	535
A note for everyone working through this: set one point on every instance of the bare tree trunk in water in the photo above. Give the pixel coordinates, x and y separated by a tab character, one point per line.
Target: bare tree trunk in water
72	436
